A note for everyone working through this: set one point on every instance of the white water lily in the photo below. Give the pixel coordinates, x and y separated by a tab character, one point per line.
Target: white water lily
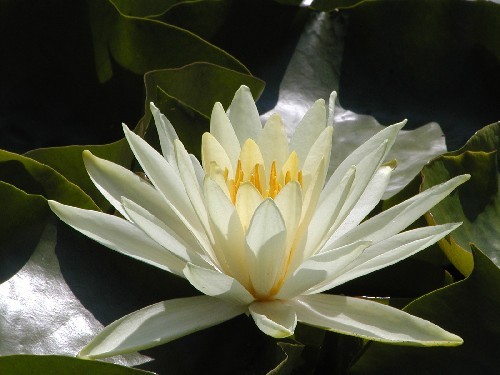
257	230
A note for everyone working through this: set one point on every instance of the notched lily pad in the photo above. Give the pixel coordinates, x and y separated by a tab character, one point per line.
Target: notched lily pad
476	203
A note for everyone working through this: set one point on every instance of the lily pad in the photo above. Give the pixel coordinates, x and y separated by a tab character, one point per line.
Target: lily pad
68	162
60	365
189	111
476	203
468	308
142	44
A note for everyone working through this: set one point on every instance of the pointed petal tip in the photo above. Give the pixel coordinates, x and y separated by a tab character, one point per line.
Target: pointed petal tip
153	107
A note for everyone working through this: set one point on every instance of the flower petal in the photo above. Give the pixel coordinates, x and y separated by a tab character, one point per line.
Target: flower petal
161	233
222	130
119	235
397	218
158	324
370	320
115	181
390	251
217	284
248	199
193	189
274	318
166	134
320	268
273	142
390	133
244	116
308	130
212	151
289	202
266	247
229	237
320	150
166	180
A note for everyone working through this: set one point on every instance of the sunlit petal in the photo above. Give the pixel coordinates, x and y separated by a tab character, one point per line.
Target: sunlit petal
160	323
274	318
244	115
370	320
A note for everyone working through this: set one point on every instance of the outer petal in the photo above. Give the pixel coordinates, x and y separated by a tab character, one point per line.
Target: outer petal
166	179
244	115
319	268
390	133
388	252
166	133
308	130
162	234
217	284
120	235
274	318
158	324
397	218
115	181
370	320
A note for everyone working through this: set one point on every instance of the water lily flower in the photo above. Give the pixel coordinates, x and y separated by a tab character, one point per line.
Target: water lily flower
259	229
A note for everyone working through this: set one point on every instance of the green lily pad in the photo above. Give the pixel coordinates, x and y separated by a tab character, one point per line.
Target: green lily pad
476	203
34	177
331	5
60	365
68	162
19	211
189	111
142	44
468	308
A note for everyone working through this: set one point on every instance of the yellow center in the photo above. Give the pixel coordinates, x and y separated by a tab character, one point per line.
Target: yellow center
290	172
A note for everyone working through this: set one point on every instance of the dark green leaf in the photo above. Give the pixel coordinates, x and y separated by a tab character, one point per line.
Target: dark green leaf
292	357
60	365
21	225
331	5
468	308
476	203
187	109
68	162
36	178
141	44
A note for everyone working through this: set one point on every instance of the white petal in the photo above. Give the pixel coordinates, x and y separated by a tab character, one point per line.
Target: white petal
370	320
158	324
390	251
167	181
229	237
212	151
367	201
320	268
273	142
320	150
390	133
222	130
193	189
198	169
119	235
326	214
248	199
266	247
274	318
331	108
161	233
166	133
397	218
289	202
115	181
244	115
308	130
217	284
